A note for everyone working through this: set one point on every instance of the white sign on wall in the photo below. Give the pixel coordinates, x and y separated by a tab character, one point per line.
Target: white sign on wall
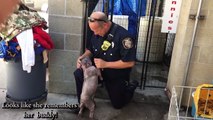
170	16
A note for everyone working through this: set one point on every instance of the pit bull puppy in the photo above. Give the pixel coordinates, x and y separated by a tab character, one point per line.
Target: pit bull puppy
91	74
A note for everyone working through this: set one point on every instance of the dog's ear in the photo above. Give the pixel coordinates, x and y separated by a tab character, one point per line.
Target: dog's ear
81	59
88	63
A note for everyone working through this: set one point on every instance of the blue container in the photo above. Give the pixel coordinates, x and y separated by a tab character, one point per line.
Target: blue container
193	112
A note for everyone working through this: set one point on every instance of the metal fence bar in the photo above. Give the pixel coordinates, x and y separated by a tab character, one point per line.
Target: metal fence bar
179	105
154	2
206	101
189	98
148	42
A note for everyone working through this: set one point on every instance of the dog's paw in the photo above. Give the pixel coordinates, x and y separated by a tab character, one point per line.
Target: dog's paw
79	115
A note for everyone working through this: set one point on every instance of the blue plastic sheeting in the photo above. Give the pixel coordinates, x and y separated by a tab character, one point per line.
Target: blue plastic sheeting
130	8
2	49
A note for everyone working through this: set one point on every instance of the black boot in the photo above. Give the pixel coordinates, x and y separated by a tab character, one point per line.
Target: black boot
133	85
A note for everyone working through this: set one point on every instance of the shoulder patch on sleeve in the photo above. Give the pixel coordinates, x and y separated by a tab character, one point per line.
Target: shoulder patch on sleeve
127	43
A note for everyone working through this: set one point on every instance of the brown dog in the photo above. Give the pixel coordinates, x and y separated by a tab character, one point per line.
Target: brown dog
91	74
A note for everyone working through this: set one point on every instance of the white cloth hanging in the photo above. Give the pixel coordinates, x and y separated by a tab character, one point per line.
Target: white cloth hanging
25	40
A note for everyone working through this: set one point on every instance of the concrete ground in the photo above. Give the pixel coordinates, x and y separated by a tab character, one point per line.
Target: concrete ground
146	105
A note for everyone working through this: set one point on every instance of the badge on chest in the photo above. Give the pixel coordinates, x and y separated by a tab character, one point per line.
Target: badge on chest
105	46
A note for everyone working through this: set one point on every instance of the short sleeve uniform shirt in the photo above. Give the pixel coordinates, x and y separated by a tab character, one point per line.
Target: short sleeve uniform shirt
122	47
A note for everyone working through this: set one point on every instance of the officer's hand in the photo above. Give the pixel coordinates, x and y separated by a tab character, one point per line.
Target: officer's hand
79	62
99	63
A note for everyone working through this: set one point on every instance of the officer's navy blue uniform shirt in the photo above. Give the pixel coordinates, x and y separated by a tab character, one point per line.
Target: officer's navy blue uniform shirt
122	48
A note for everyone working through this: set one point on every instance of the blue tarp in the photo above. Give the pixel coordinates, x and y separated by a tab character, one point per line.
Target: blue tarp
130	8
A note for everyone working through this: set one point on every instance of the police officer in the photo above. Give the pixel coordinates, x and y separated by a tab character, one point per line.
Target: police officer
113	50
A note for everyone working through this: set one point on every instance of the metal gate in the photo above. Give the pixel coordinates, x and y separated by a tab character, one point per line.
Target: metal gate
153	47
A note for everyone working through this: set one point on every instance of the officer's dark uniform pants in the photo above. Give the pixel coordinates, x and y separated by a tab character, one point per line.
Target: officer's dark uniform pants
119	93
79	79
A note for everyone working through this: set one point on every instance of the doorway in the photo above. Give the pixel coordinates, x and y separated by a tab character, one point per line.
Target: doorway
154	49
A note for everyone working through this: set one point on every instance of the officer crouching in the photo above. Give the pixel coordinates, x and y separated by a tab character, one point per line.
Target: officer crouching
113	51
